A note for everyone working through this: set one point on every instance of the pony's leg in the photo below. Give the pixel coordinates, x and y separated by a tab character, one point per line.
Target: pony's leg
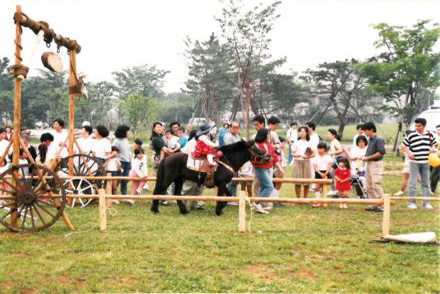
155	206
178	185
222	191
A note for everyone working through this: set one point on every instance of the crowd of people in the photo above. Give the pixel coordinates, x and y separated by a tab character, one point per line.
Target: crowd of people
360	166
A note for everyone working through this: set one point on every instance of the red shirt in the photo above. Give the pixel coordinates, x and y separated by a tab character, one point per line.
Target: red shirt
343	174
274	158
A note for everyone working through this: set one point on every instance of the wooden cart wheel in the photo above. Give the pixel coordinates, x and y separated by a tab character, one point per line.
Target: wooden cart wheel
39	199
83	165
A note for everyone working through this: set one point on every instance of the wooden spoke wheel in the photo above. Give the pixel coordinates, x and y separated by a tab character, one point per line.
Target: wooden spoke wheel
82	165
80	186
37	200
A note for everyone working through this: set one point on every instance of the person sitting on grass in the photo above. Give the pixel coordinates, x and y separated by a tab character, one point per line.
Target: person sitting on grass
322	165
342	179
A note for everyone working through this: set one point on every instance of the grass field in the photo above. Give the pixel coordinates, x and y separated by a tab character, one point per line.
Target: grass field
293	249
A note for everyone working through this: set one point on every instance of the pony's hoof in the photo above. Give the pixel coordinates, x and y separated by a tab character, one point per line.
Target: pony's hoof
155	211
218	212
184	212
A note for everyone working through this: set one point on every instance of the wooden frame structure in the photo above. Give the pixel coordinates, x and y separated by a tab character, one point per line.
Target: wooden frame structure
19	71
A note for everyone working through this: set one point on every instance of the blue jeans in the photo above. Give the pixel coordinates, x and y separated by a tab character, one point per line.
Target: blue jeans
232	187
126	167
289	155
264	175
414	170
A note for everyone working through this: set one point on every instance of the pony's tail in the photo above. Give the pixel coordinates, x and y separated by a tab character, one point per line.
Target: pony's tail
158	188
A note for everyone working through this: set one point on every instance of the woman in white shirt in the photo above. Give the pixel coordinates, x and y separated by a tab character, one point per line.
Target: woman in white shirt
302	152
85	142
357	153
101	148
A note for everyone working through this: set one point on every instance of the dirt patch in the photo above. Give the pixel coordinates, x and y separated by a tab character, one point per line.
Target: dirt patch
7	285
303	274
261	272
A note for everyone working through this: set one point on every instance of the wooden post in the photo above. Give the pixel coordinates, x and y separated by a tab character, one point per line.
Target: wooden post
102	211
386	215
72	82
242	211
324	193
17	103
110	190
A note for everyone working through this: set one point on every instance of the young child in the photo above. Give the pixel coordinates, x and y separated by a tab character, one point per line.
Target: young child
183	139
113	166
137	143
138	170
204	145
342	179
172	141
322	165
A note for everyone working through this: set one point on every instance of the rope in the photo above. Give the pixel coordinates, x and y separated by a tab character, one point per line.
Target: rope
110	211
18	70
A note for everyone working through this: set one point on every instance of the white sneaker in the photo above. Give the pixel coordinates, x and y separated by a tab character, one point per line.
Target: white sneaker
130	201
341	205
139	191
332	193
345	205
145	187
257	208
400	193
115	201
268	207
412	206
428	206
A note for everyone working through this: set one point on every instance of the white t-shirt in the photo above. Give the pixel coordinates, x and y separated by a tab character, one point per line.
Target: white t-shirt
357	152
85	144
300	147
113	164
139	167
173	142
314	141
322	162
190	146
101	147
292	135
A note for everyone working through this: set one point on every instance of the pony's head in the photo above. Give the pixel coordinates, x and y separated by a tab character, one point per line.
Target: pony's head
238	153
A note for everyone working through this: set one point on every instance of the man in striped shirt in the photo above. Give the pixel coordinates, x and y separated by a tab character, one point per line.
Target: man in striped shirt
418	145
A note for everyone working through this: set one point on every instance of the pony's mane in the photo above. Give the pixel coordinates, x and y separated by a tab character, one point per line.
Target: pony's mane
240	145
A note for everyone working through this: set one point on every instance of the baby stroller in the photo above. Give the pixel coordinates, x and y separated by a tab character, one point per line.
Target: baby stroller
358	181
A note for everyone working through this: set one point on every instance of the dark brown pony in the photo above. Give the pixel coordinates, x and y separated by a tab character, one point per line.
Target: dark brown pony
173	169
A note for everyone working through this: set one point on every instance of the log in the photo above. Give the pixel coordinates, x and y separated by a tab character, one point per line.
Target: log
386	216
102	211
242	211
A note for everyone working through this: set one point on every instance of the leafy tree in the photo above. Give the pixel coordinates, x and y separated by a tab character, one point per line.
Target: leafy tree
141	111
340	82
247	34
210	76
406	69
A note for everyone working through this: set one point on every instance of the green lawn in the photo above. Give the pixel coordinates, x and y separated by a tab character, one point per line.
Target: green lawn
294	249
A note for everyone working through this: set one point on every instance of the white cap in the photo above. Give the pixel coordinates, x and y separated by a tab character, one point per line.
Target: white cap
85	123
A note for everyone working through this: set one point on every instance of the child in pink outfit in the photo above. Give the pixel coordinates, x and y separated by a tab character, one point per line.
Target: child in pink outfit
138	170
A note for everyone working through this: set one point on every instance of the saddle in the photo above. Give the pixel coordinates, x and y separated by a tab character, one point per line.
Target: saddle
201	165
